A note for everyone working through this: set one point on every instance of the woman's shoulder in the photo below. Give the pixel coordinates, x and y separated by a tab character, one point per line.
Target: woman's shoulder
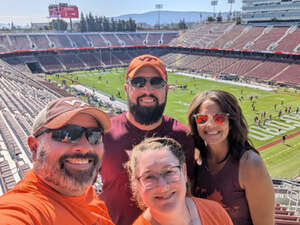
252	169
251	160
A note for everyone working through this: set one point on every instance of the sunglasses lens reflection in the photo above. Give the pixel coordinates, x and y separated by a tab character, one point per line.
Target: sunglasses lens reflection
155	82
218	118
201	119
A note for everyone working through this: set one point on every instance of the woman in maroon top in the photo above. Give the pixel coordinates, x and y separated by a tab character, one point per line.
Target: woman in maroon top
230	170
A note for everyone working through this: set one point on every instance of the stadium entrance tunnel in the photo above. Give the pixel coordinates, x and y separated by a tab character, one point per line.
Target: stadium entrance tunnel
35	67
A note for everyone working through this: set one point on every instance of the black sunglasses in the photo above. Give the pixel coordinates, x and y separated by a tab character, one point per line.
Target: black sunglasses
73	133
139	82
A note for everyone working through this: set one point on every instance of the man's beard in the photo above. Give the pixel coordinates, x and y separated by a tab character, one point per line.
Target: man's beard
146	115
55	172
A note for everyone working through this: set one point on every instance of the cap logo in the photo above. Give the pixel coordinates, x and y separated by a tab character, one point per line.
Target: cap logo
147	58
77	103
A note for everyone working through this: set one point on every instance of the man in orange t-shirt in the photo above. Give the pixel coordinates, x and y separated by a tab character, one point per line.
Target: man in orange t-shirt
67	150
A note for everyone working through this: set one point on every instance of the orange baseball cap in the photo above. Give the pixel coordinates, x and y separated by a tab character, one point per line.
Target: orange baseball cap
60	111
146	60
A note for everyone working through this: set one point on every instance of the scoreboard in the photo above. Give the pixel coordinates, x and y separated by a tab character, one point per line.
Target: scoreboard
63	11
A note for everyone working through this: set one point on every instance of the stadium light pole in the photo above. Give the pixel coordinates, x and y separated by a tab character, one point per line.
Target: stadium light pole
230	2
214	3
158	7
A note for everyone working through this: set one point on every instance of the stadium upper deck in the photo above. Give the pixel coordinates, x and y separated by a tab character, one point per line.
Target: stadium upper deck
270	10
39	41
212	35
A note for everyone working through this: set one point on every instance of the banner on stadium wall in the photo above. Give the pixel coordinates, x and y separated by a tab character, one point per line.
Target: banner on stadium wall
63	11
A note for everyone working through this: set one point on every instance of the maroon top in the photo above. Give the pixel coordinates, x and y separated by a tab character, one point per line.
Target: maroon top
118	143
224	188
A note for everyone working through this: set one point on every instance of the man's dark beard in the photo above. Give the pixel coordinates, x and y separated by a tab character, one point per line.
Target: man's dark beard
146	115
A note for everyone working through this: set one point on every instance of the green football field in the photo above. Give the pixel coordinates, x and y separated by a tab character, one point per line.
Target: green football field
282	160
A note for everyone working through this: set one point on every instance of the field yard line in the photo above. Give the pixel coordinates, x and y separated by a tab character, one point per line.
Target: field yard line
278	153
282	162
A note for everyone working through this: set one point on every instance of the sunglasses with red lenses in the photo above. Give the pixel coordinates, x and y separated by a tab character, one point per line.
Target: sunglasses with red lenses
219	118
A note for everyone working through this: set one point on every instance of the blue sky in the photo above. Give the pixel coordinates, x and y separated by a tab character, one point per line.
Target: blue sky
25	11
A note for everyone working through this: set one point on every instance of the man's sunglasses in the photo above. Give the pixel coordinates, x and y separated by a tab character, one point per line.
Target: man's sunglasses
219	118
73	133
139	82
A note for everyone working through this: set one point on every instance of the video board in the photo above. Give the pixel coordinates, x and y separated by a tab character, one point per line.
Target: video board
63	11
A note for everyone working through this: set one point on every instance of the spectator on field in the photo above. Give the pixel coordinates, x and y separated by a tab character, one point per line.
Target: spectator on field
232	171
146	90
67	150
279	114
284	138
158	176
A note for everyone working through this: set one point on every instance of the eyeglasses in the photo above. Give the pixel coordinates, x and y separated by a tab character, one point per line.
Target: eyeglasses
150	181
219	118
73	133
139	82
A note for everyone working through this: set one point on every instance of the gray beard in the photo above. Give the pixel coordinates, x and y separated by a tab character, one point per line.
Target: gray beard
57	174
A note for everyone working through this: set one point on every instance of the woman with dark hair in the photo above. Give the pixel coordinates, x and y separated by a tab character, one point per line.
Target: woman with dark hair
158	176
229	170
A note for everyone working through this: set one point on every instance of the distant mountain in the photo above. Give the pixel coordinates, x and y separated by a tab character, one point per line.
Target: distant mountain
4	25
167	17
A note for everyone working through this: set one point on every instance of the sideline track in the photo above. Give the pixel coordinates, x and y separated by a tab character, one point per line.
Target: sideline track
263	147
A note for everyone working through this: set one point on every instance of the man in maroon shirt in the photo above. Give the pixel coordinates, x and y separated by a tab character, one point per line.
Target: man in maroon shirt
146	88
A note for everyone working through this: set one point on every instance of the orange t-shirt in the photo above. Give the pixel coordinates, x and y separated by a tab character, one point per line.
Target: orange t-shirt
32	202
211	213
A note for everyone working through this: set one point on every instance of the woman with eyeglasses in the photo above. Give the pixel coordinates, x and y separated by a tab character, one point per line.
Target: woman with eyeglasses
159	183
229	169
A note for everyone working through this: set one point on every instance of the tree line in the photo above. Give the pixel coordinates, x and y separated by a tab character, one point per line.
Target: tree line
90	23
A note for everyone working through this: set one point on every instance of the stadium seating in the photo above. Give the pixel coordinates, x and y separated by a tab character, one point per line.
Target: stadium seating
225	40
19	42
138	38
71	62
92	60
96	40
285	217
241	66
78	40
290	42
50	63
154	39
290	75
4	43
269	36
267	70
40	41
59	41
111	39
7	180
126	39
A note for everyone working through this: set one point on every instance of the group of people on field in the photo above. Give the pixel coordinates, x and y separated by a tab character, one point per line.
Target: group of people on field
155	170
